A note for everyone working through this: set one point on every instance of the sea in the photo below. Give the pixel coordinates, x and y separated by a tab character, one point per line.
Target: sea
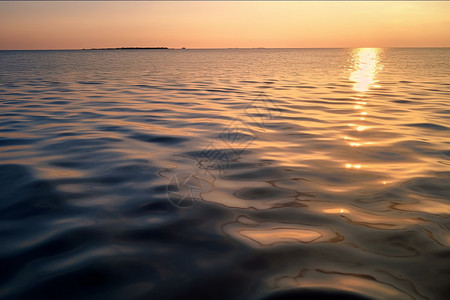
225	174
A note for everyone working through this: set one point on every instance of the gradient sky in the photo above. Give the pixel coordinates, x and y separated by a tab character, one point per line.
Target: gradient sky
74	25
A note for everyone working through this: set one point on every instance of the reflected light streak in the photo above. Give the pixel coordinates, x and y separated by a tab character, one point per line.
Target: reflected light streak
336	211
355	166
366	65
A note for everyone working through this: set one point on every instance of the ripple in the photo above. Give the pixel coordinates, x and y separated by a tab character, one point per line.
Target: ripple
428	126
158	139
270	234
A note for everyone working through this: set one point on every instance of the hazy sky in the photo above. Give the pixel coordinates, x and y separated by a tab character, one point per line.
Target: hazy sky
72	25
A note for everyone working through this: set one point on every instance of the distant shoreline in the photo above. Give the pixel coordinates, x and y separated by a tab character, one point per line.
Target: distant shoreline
131	48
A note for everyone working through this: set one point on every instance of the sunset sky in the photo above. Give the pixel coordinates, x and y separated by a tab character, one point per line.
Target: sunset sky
74	25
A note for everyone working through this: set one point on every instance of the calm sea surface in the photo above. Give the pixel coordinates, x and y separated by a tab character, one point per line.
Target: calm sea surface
225	174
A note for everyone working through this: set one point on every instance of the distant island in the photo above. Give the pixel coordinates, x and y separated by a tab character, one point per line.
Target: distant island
130	48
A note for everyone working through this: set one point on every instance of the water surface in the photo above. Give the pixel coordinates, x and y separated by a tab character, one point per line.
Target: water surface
225	174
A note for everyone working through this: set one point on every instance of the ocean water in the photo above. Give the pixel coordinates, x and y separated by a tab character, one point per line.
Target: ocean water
225	174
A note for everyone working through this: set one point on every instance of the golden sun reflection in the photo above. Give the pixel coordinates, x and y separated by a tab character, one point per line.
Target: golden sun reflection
355	166
336	211
366	65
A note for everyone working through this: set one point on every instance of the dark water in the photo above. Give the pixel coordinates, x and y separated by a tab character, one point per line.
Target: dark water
225	174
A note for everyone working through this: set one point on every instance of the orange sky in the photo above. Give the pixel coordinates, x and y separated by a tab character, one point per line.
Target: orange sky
74	25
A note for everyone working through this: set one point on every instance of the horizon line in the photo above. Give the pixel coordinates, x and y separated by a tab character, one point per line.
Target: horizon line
208	48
